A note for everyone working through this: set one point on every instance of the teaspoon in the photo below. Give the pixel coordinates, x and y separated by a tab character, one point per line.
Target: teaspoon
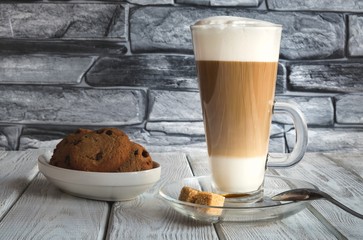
304	194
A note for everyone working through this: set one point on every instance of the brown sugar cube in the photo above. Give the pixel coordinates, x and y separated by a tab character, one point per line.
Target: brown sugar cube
210	199
187	194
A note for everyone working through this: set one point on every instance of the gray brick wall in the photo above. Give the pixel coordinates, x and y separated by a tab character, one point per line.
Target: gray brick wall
129	64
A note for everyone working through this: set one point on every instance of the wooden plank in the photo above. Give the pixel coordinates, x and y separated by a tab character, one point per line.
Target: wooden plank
17	169
149	217
351	161
343	184
45	212
303	225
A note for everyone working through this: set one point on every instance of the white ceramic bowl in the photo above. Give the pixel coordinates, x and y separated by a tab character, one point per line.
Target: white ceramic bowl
120	186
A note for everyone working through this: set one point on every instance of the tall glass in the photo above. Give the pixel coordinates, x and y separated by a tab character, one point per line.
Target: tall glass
237	60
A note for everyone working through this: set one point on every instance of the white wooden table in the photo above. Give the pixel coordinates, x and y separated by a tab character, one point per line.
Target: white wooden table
32	208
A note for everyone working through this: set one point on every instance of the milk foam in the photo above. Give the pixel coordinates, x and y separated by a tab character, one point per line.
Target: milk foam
233	175
227	38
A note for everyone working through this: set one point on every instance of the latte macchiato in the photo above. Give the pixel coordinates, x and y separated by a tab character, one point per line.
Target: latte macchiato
237	113
237	61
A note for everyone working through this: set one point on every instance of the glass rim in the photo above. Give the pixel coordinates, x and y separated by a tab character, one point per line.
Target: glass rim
244	25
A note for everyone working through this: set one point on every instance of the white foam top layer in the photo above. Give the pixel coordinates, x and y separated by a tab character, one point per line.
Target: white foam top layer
225	38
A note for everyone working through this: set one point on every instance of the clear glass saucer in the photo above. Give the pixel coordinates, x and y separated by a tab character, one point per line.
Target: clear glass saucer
266	209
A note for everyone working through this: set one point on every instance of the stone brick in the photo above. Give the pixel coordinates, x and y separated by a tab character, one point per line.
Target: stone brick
355	37
180	128
331	140
27	142
194	2
148	2
3	143
277	139
276	131
313	5
186	130
277	145
181	143
163	136
246	3
174	106
161	28
168	143
35	34
305	35
70	47
41	136
281	79
9	137
38	137
31	69
45	21
77	106
157	141
5	30
171	140
310	35
117	25
156	71
349	109
197	128
167	146
12	134
189	145
326	77
318	111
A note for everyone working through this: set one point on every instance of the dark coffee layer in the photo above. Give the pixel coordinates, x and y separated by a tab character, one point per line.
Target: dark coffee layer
237	100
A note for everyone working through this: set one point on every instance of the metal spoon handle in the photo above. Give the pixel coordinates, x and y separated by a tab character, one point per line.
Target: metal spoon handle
303	194
344	207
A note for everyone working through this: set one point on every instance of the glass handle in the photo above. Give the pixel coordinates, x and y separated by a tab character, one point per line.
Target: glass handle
301	136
